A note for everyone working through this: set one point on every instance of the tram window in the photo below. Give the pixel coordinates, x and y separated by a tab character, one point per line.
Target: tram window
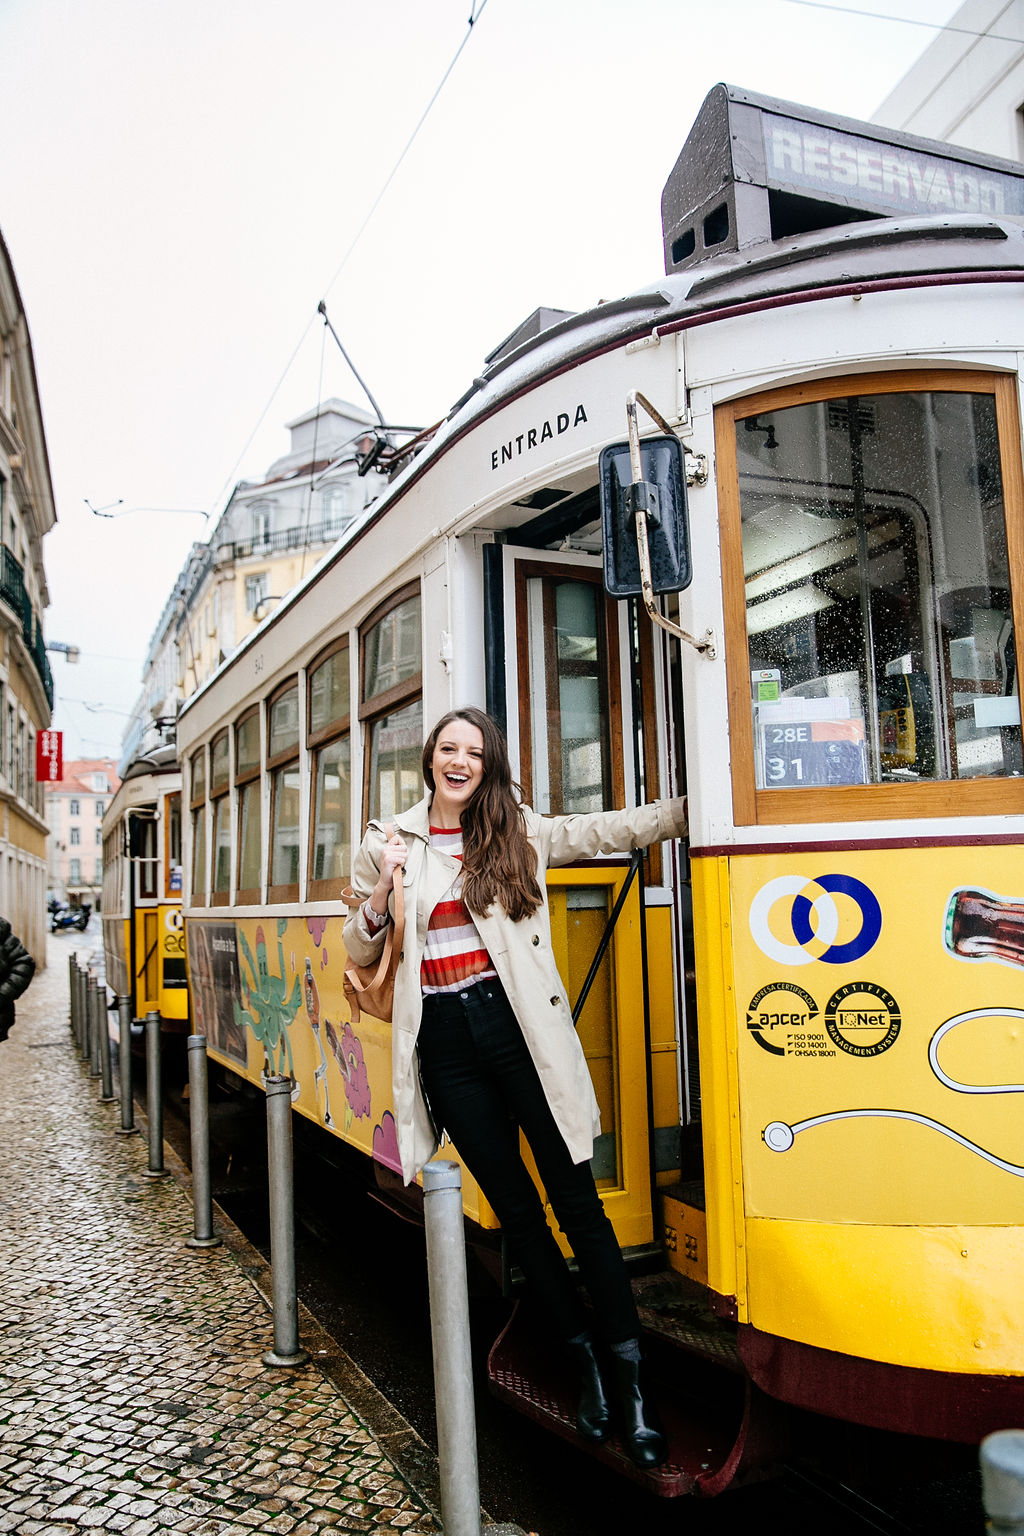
876	585
331	747
247	792
283	762
197	809
220	781
172	876
391	708
566	678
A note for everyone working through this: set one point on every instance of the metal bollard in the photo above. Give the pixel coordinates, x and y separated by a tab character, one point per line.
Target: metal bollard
199	1127
86	1016
72	997
286	1350
106	1066
82	985
1002	1481
95	1025
453	1366
124	1067
154	1103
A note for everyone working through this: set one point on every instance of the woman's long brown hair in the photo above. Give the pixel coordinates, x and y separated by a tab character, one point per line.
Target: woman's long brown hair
499	865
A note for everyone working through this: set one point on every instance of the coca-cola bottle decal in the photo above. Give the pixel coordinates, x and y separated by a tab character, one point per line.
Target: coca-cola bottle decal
982	926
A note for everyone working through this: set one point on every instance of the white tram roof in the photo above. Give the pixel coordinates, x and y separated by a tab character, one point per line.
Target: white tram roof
766	199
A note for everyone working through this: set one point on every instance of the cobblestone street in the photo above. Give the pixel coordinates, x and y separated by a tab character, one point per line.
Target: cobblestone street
133	1396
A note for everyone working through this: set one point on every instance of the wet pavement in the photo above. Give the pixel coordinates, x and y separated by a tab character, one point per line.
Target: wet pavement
133	1393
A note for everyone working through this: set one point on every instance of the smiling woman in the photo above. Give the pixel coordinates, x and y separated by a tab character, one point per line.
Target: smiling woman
479	1055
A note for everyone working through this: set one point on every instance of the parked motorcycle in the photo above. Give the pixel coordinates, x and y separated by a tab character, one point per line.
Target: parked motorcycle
63	916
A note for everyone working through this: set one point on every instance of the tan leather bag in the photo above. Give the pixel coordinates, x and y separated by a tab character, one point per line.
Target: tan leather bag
371	988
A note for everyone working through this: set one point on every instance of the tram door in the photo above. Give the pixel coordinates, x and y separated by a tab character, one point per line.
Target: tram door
575	720
144	920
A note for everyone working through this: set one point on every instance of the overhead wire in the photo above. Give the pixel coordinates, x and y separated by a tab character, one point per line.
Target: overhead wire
907	21
477	10
474	17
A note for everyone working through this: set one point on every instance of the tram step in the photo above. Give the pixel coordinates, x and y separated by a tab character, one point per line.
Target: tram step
706	1412
676	1309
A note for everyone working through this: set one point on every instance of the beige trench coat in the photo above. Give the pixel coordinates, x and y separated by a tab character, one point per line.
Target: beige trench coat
520	953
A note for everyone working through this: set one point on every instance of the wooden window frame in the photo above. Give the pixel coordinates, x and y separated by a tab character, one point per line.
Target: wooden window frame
246	895
392	699
334	730
858	802
283	759
197	807
608	618
169	814
223	792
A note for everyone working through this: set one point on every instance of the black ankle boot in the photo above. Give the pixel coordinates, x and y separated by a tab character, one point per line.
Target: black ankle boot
593	1418
645	1441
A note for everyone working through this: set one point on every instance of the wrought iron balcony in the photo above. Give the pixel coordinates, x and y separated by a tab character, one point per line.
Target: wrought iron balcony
12	592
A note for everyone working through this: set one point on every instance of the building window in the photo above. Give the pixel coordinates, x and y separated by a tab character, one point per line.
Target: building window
391	708
256	588
99	837
101	809
75	871
261	518
330	743
76	837
247	794
73	808
283	763
340	505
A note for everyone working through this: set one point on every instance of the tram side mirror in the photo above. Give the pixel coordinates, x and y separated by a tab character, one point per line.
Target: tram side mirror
662	492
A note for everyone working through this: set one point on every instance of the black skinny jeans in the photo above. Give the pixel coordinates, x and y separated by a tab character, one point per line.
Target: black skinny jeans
483	1087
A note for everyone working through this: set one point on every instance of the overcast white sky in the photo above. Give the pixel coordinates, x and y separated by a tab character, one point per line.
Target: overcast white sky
180	183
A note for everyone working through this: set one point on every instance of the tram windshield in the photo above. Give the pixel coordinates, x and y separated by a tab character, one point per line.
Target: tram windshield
877	587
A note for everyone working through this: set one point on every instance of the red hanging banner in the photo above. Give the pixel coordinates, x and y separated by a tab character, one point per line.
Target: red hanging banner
49	756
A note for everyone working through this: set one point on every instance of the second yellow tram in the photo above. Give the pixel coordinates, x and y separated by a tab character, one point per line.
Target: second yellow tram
143	937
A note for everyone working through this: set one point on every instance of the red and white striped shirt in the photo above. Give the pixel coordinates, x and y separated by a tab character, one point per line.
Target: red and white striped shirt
454	953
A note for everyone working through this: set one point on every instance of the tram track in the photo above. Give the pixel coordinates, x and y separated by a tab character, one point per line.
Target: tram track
362	1275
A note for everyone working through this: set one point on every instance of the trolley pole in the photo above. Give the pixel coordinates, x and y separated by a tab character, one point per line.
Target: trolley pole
199	1127
286	1350
449	1330
124	1066
1002	1481
154	1103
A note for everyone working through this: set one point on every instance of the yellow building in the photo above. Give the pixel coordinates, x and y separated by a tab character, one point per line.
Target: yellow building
26	687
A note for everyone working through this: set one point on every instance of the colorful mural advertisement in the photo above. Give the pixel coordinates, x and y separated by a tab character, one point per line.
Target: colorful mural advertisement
268	994
881	1034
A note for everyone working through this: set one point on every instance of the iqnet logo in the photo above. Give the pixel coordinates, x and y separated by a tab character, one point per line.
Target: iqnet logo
795	920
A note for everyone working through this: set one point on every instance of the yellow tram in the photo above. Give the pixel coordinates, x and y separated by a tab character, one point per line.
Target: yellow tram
143	938
805	1028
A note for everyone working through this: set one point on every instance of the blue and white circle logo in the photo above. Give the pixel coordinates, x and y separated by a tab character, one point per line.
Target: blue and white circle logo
814	919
